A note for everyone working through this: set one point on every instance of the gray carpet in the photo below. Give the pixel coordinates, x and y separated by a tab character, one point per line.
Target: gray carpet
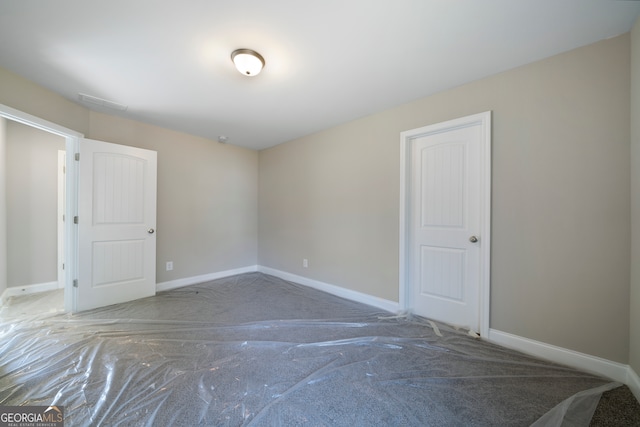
617	407
256	350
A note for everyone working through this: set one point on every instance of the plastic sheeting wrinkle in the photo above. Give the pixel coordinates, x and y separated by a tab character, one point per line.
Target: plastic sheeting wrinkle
436	330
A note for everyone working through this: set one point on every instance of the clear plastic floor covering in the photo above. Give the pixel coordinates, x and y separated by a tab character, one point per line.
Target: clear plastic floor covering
256	350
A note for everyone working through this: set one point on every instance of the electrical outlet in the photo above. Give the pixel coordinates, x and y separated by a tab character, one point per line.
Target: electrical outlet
169	265
305	263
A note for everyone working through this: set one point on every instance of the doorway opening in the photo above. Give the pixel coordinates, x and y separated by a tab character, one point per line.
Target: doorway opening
68	238
109	240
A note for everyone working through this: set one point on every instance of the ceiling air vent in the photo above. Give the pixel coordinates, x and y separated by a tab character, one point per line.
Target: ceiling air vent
94	100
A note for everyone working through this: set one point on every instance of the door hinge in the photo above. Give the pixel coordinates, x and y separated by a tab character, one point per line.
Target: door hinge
77	157
75	219
75	283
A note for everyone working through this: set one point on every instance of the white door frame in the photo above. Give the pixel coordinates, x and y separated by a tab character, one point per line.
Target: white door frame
72	139
406	138
62	157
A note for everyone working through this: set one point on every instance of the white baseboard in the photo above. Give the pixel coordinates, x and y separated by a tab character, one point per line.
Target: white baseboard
384	304
14	291
178	283
585	362
633	382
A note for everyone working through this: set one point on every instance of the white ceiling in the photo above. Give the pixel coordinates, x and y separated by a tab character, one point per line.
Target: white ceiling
327	61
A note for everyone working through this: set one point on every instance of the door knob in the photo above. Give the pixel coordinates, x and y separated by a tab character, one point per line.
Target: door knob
151	231
473	239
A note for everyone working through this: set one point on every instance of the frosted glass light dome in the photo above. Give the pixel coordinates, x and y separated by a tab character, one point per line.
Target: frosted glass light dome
247	61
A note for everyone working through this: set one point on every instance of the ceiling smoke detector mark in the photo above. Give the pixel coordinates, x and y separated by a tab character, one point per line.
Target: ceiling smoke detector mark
94	100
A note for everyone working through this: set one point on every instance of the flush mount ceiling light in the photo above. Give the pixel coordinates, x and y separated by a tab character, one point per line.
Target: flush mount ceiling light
247	61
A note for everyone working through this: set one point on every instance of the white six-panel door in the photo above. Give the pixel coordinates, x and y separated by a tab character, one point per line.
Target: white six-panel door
447	234
116	224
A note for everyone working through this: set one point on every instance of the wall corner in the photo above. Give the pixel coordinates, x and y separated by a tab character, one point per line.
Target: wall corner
634	297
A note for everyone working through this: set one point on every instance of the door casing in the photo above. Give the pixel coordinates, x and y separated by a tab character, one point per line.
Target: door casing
62	156
406	138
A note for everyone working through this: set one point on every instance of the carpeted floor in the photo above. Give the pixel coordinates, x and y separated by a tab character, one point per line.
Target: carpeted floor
256	350
617	407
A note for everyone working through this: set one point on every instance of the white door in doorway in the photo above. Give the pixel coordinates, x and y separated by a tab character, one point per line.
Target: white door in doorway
116	224
448	220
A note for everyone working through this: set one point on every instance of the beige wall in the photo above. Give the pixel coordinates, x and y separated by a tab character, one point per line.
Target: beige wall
32	205
207	192
207	197
24	95
634	354
3	206
561	213
332	198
